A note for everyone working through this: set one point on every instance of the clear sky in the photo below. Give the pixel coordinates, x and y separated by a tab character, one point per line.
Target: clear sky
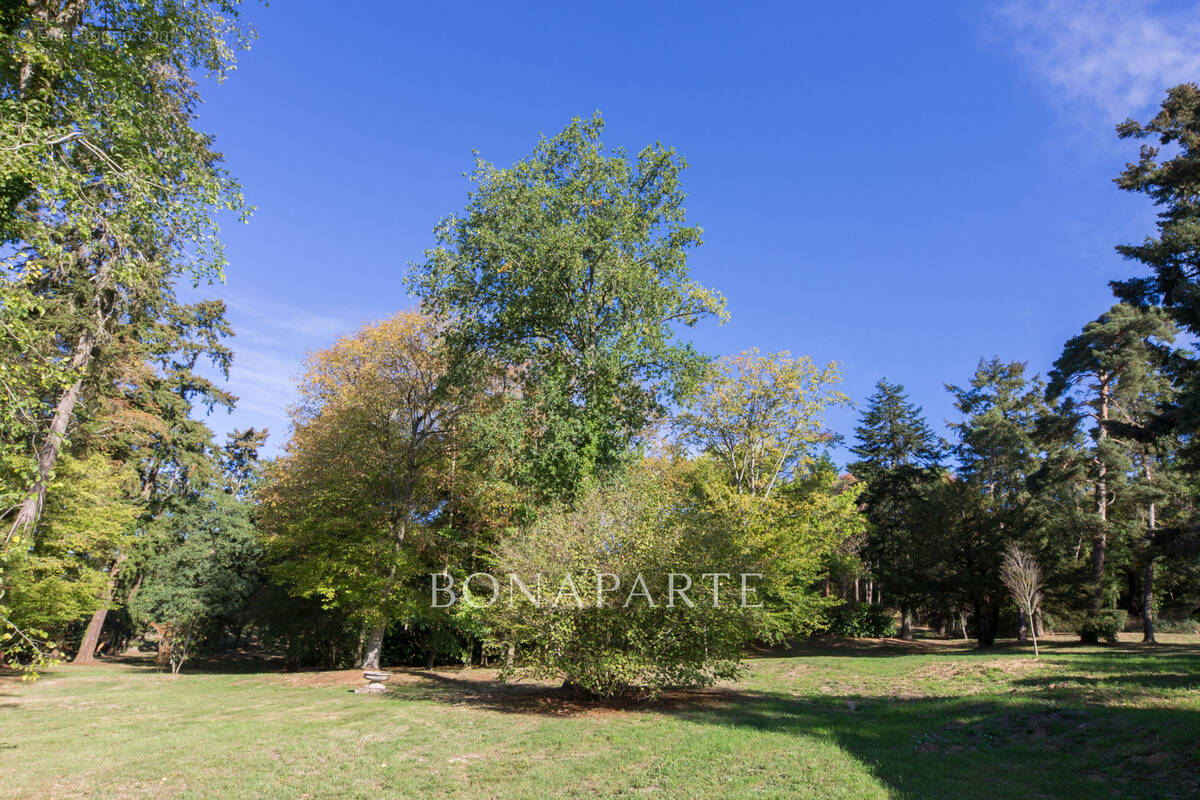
900	187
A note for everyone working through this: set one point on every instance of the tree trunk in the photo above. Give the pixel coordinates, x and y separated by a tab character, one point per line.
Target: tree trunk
985	622
374	648
1022	625
1100	541
91	637
1148	573
1148	602
906	631
31	507
1037	623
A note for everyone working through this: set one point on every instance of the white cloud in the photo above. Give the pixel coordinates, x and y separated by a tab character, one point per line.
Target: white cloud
270	343
1115	58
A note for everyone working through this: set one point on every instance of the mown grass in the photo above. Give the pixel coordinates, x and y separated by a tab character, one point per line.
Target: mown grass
831	719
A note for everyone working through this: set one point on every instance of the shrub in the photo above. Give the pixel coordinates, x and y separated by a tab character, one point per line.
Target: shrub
1102	625
855	619
1175	625
641	527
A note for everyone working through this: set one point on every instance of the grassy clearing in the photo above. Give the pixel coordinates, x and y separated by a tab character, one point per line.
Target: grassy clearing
861	720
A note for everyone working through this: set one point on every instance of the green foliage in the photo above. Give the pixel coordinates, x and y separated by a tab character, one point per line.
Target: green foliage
997	452
569	268
792	535
1103	625
855	619
1166	173
899	459
207	566
61	572
109	197
762	417
610	643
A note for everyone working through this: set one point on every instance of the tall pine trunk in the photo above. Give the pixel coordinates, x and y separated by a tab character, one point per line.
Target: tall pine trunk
1148	579
1100	541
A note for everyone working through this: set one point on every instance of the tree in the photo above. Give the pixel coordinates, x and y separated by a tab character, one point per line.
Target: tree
899	458
1023	579
109	193
1172	182
761	417
61	572
1109	368
207	566
347	510
997	452
569	270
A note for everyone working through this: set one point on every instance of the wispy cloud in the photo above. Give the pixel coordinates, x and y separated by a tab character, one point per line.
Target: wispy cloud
1114	58
270	345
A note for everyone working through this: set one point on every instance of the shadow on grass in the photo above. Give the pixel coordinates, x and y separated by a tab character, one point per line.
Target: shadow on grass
1020	743
233	663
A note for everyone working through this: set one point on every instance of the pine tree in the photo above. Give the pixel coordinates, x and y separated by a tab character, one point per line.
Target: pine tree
1173	256
1108	373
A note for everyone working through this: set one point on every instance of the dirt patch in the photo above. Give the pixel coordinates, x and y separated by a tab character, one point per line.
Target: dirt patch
974	669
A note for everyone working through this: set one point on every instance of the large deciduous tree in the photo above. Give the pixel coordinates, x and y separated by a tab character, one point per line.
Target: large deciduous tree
570	269
347	508
107	191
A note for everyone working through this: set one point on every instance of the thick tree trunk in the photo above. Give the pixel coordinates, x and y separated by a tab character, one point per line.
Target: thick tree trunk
91	636
374	648
1022	625
906	631
1037	623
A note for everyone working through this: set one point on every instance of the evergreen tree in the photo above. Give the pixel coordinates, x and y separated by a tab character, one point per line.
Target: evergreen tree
1108	373
899	457
1172	182
997	452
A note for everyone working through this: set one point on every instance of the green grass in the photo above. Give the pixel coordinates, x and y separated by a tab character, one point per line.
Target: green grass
873	719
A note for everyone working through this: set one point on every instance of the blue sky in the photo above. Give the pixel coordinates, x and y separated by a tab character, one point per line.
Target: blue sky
900	187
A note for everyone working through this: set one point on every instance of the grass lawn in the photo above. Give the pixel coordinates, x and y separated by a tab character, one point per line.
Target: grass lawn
833	719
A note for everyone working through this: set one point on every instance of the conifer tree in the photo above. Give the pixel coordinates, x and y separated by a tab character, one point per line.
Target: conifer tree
1108	372
899	456
997	452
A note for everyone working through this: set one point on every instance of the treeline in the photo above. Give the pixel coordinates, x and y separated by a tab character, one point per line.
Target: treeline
539	415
